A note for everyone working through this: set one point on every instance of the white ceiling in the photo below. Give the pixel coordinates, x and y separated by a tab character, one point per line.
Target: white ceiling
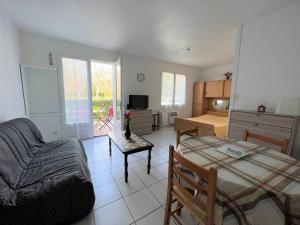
158	29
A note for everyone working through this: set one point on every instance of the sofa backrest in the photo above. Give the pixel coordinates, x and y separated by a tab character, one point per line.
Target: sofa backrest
20	139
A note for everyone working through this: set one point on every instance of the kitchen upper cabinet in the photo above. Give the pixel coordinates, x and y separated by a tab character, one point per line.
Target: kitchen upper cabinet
227	88
214	88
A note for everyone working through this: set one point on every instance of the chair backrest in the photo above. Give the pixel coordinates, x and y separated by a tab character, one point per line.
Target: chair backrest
110	112
180	133
195	132
284	143
207	186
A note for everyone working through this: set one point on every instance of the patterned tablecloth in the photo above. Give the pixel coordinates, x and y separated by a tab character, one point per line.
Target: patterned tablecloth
262	188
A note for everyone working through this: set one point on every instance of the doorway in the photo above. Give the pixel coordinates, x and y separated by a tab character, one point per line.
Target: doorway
91	97
106	91
102	97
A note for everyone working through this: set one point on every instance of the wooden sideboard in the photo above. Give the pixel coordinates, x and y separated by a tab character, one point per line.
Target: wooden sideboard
141	121
267	124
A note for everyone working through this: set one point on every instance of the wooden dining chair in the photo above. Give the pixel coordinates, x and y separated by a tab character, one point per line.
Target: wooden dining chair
202	211
195	131
284	143
180	133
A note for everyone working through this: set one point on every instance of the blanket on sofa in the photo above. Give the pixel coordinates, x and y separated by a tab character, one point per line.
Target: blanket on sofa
40	182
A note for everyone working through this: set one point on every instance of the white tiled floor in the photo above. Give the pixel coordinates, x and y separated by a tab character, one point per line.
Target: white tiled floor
140	201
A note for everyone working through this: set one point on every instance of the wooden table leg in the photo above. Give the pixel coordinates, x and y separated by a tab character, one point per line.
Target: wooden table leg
109	147
126	168
149	160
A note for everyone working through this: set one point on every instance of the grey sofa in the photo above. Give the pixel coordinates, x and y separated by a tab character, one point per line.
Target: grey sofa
41	183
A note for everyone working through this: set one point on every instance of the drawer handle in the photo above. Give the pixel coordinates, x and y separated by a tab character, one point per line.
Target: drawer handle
256	124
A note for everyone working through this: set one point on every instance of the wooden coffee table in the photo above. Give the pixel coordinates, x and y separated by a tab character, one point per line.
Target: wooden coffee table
133	145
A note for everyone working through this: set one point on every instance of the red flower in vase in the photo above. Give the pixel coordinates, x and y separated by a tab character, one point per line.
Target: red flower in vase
127	115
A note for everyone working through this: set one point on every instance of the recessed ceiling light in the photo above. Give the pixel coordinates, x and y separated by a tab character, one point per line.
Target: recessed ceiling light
188	49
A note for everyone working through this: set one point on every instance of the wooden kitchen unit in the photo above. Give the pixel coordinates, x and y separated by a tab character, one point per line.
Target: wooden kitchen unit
205	92
214	89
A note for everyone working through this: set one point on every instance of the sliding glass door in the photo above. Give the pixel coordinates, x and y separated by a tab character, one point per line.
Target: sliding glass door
91	90
77	120
102	97
118	118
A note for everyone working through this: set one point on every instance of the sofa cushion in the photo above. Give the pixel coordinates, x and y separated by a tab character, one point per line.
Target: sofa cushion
20	139
58	158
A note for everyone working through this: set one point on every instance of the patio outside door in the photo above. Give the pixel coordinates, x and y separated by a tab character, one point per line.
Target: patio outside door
107	105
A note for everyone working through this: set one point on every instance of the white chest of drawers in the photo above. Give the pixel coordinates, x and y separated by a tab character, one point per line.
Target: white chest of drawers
267	124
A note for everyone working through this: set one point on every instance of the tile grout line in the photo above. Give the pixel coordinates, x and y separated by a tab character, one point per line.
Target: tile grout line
124	201
138	177
109	170
146	187
148	214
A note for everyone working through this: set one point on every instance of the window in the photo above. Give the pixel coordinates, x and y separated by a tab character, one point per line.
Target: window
167	89
173	89
180	89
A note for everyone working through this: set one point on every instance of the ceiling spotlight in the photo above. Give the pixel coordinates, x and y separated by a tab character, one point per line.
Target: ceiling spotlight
188	49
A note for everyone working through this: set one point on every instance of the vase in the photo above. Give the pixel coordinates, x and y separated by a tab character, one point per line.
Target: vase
127	132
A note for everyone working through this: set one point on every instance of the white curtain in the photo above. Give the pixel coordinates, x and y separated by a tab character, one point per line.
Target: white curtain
167	89
180	85
77	106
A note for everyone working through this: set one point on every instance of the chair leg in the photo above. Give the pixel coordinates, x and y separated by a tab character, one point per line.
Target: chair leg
109	127
101	126
179	205
168	209
105	124
98	122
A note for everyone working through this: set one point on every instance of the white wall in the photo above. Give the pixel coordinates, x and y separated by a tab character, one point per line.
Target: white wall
35	49
269	60
132	65
11	96
215	73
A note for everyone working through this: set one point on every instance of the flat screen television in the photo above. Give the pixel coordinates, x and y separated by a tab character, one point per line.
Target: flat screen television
138	101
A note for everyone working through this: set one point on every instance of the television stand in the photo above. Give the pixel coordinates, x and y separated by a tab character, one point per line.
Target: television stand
141	121
156	120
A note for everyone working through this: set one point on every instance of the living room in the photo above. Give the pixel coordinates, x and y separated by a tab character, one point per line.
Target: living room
224	69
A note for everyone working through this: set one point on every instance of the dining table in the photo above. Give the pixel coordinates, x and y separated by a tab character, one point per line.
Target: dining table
261	188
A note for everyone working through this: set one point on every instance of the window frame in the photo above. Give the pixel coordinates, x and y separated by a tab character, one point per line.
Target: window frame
174	90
